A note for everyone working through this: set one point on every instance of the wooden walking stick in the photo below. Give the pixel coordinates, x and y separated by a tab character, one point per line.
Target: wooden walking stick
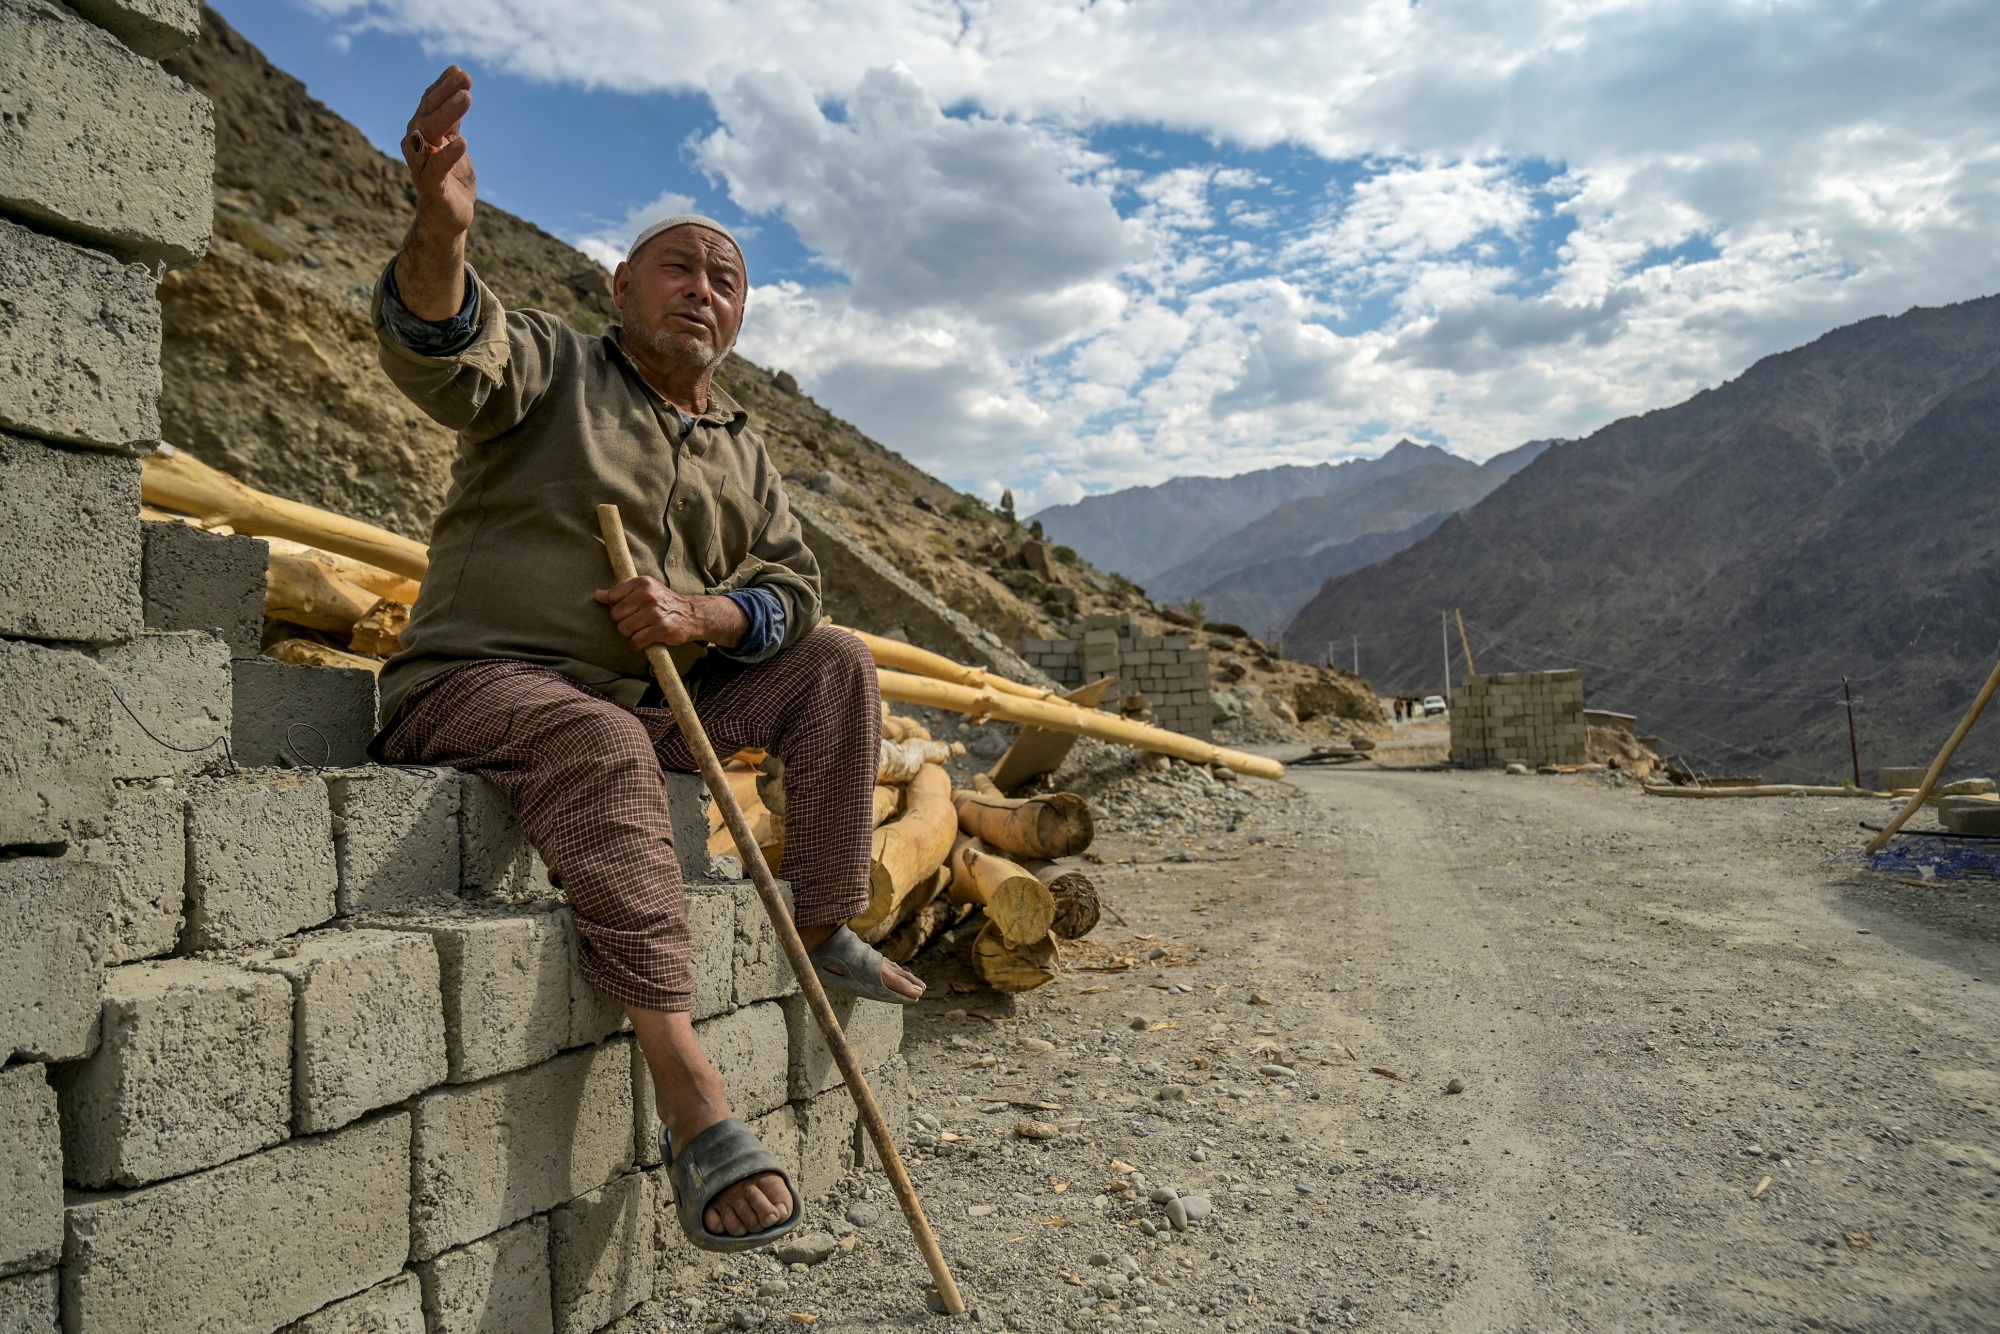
1938	764
662	663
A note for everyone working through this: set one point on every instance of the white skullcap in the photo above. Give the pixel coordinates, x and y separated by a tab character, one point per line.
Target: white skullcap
682	220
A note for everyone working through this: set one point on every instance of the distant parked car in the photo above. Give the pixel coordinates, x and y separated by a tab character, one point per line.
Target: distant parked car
1433	704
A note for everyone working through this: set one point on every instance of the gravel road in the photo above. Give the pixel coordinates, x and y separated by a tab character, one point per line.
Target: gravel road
1651	1007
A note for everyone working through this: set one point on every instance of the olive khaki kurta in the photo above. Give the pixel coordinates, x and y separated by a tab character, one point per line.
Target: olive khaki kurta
551	424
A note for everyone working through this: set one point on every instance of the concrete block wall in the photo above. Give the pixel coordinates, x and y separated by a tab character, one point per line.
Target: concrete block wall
1529	718
1167	669
287	1041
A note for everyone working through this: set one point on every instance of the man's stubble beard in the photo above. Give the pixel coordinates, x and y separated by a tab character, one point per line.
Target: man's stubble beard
670	345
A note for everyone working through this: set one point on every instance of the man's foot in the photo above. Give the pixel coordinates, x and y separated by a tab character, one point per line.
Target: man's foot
894	976
751	1205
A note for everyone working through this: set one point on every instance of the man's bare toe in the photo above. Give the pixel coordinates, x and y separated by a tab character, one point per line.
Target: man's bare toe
750	1206
900	979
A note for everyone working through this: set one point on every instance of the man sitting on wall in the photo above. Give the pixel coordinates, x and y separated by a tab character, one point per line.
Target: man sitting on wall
519	665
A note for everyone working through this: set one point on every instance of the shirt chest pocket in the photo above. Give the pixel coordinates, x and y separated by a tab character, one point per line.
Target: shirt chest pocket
737	522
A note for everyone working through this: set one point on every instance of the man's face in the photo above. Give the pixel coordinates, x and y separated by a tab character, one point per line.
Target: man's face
682	295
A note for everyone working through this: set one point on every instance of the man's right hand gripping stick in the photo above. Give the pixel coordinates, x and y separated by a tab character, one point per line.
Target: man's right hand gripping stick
662	663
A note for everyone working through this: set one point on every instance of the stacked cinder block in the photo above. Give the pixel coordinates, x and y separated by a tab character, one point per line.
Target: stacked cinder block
1529	718
1168	670
301	1047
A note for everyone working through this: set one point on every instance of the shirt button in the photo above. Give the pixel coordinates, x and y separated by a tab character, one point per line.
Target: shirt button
673	560
680	504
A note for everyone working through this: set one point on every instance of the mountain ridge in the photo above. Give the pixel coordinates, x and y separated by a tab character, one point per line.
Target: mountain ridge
1718	565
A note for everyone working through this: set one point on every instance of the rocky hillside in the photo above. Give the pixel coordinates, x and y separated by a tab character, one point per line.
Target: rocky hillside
1717	567
270	373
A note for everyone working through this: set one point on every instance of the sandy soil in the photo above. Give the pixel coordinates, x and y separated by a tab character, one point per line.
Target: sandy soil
1652	1005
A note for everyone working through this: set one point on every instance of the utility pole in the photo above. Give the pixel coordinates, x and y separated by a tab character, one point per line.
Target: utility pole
1853	746
1465	643
1444	633
1357	655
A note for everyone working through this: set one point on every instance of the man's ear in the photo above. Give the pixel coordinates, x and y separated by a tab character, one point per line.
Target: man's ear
621	278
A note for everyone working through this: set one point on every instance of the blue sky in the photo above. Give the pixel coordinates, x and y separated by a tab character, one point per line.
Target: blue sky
1067	247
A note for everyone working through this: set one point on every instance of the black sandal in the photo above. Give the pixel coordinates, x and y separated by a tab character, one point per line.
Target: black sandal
707	1165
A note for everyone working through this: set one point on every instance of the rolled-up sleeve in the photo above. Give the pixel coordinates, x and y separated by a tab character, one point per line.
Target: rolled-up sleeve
765	611
430	338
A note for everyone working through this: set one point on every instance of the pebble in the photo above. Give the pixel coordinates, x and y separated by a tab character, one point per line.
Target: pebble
1036	1044
1148	1228
1259	998
863	1214
773	1287
928	1122
1098	1259
994	1108
1199	1156
1517	768
1156	953
1163	1194
1036	1130
1139	1023
806	1249
1171	1093
1183	1210
747	1317
1275	1071
1754	1151
1455	1086
979	1210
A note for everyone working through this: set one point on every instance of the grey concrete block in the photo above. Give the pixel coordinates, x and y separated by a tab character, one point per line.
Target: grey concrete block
711	914
747	1048
395	838
496	1285
874	1030
495	860
260	861
55	742
28	1303
601	1254
174	721
80	348
593	1015
761	972
687	806
138	853
193	1068
50	961
67	570
30	1170
826	1140
395	1306
154	28
778	1131
197	580
249	1246
367	1022
505	978
492	1153
97	142
890	1083
677	1265
284	713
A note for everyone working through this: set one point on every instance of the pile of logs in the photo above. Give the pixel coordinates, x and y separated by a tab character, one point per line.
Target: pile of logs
943	854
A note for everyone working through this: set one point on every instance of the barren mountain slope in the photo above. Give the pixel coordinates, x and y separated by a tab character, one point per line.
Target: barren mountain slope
1143	530
270	362
1717	566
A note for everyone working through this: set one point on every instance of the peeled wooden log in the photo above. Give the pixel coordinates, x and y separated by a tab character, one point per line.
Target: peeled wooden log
1058	715
901	760
904	729
1013	968
1075	893
922	662
767	829
380	631
382	583
888	800
1056	824
1015	901
908	849
312	653
922	897
1761	790
1037	751
304	592
174	479
908	940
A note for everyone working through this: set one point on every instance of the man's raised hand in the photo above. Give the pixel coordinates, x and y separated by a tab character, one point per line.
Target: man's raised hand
430	269
440	163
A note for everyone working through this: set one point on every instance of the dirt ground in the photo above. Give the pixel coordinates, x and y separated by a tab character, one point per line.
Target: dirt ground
1651	1006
